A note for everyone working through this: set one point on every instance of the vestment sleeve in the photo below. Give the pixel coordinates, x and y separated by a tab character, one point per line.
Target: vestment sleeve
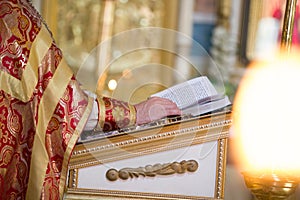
109	114
114	114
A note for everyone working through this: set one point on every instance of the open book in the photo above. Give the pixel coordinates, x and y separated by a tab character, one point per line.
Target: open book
196	96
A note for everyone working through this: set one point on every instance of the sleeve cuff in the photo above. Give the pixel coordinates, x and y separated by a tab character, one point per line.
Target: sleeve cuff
114	114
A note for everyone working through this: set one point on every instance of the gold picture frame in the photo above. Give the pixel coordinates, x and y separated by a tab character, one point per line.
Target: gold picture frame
255	10
150	159
252	12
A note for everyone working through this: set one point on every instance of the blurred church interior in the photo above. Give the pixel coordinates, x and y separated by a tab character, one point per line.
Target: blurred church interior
216	38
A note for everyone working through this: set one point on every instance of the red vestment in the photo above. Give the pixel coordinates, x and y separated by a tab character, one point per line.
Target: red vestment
42	107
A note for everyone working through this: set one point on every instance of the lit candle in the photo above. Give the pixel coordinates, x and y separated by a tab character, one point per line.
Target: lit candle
266	116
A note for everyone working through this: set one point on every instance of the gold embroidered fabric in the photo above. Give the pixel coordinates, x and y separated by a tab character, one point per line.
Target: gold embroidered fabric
115	114
42	108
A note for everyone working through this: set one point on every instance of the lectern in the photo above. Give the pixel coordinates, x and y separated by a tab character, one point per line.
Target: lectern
174	158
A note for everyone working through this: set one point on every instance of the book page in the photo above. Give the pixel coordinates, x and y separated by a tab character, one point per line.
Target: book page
199	109
190	92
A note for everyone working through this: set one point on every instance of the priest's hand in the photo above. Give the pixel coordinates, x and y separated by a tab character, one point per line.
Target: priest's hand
155	108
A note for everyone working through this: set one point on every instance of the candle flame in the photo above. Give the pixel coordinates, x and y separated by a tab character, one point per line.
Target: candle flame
266	115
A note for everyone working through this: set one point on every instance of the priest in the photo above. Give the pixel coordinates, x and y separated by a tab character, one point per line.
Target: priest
43	109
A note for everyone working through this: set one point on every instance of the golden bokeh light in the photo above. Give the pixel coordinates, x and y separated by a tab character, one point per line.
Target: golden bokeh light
112	84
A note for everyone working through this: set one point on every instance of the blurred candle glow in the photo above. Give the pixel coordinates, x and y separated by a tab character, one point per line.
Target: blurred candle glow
112	84
266	116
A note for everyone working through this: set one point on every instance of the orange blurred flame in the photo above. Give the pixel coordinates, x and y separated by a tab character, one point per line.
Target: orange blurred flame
266	115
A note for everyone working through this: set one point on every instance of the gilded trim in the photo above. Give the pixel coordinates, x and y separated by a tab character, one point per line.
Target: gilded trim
101	113
23	89
125	195
288	25
71	145
221	168
73	178
48	103
132	115
88	153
